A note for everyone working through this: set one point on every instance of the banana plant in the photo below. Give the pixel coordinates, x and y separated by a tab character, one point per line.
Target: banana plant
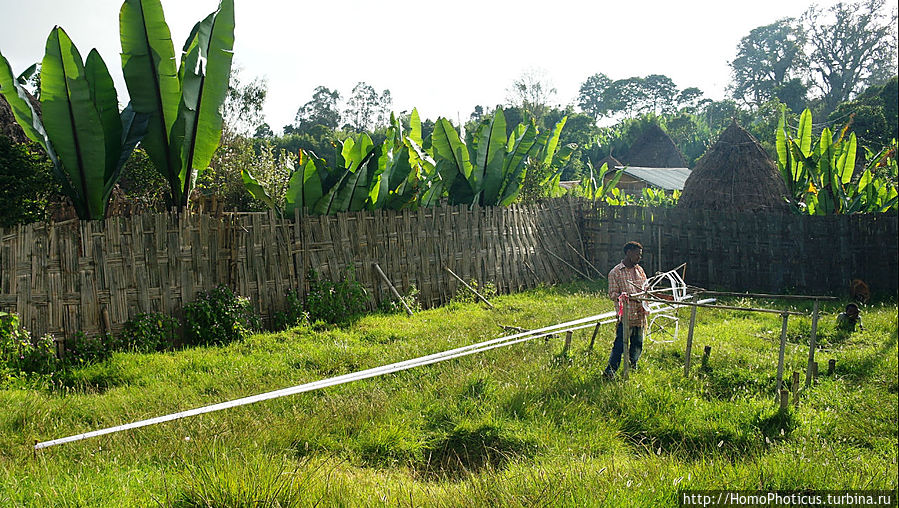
594	187
489	170
819	175
184	103
81	129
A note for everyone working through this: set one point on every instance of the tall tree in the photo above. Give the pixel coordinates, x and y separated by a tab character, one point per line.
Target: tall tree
852	45
367	109
242	109
660	92
532	92
321	110
768	58
591	96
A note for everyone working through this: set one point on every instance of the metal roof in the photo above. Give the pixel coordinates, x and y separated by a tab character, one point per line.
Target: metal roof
664	178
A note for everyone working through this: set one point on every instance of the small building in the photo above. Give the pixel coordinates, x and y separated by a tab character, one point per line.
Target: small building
635	179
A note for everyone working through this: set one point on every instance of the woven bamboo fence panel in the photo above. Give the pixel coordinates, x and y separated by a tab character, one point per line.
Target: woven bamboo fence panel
760	252
93	276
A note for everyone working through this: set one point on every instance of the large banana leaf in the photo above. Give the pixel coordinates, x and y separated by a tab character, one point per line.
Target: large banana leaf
304	188
350	193
205	74
448	146
24	114
515	163
73	123
487	172
151	75
256	189
104	96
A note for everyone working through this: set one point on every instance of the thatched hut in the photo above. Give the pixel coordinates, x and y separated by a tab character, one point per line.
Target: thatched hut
655	149
735	174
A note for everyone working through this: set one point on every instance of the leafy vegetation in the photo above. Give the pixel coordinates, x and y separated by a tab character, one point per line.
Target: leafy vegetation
819	175
217	317
26	183
335	302
514	426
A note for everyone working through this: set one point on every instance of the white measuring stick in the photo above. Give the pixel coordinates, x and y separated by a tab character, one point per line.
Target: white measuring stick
385	369
355	376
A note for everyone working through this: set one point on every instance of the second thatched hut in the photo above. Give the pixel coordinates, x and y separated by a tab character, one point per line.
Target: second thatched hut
735	174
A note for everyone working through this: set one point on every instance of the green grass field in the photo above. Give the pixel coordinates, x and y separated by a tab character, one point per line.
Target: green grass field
516	426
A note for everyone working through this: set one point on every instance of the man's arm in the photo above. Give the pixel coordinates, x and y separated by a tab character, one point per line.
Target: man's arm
614	285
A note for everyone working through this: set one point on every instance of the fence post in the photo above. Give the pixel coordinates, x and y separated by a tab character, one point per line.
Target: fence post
593	339
812	346
567	345
780	354
831	367
795	388
706	353
690	341
625	338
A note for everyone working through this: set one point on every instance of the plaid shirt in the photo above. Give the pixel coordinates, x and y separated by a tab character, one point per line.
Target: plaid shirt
628	280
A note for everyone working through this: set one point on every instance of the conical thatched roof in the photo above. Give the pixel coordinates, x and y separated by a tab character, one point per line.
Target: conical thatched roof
611	161
8	125
655	149
735	174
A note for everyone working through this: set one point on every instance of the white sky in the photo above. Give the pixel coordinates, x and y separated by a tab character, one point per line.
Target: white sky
443	58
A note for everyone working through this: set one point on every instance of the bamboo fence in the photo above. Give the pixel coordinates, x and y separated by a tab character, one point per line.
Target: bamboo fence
92	276
760	252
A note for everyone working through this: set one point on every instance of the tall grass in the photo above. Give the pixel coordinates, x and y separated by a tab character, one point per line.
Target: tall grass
516	426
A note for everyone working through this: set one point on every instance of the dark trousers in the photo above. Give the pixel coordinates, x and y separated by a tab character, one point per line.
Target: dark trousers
636	348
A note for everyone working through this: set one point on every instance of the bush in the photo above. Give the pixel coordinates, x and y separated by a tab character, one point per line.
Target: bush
148	332
410	298
88	349
293	315
22	354
26	182
465	295
335	302
218	317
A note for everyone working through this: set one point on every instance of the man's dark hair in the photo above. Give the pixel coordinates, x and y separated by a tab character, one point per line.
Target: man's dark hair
852	306
629	246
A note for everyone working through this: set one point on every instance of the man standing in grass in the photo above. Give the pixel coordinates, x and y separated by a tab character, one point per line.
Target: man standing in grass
626	279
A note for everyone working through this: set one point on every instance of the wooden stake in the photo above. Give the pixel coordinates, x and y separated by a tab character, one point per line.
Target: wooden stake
706	352
567	342
469	287
593	339
812	346
393	290
689	351
585	260
795	388
780	353
784	400
814	370
582	274
625	340
831	367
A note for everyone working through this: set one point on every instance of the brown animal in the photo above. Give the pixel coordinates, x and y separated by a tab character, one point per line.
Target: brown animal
859	291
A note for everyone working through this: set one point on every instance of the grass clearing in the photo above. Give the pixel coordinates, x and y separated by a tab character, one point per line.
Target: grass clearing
516	426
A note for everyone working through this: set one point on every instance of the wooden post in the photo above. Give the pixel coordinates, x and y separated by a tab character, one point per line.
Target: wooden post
107	324
706	352
689	351
393	290
593	339
625	338
814	370
469	287
784	400
567	345
831	367
795	388
780	353
812	346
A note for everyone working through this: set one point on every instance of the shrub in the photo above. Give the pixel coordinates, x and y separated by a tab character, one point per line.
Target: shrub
217	317
293	315
465	295
88	349
410	298
20	353
147	332
335	302
26	182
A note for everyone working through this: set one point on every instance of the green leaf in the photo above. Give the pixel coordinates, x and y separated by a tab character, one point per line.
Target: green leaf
104	96
256	189
22	111
133	127
516	161
549	149
490	159
203	90
846	162
415	127
448	146
73	123
148	64
805	132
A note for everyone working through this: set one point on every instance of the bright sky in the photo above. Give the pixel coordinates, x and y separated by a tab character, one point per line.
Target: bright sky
443	58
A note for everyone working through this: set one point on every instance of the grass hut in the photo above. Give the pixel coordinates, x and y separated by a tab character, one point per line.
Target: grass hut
655	149
735	174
